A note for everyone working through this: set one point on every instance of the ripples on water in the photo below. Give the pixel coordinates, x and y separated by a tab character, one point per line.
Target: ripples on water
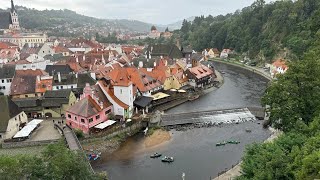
194	150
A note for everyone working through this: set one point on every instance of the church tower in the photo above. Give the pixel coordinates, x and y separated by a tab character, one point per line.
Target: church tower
14	18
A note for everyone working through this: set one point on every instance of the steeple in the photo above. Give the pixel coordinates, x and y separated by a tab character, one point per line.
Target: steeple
12	7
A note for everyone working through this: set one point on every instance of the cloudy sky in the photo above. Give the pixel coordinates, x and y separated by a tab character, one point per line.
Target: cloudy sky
157	12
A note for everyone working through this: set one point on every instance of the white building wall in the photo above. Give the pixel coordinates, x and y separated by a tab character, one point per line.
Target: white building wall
60	87
117	109
13	125
5	85
39	65
124	94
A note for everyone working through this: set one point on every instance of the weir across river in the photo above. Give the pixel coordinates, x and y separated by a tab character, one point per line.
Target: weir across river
214	116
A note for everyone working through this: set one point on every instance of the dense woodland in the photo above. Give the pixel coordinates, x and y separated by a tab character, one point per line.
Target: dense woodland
263	31
295	109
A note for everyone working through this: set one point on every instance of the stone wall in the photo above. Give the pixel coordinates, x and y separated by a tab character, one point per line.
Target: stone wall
7	145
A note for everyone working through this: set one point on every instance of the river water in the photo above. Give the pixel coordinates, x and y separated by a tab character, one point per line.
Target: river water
194	150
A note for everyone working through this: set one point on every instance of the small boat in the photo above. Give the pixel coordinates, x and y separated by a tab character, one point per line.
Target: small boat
94	156
167	159
233	142
155	155
248	130
221	143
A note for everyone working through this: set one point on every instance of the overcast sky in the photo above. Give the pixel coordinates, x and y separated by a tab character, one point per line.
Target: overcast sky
152	11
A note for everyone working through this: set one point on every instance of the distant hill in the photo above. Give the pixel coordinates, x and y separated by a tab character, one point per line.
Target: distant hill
69	23
178	24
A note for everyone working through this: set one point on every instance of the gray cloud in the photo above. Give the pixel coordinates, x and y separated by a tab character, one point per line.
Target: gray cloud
159	12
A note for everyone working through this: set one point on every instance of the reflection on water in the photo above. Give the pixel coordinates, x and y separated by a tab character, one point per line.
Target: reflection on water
194	151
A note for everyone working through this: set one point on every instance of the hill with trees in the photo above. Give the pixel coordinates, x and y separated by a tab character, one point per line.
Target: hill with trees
69	23
262	31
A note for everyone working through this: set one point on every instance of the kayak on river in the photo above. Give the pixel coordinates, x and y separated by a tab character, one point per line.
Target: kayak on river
221	143
155	155
233	142
167	159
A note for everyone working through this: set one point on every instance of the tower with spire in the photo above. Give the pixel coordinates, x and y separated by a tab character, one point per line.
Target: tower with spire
15	26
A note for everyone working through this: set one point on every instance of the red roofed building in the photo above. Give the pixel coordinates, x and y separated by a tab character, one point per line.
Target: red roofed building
200	76
8	55
278	67
62	50
43	84
24	84
92	109
119	93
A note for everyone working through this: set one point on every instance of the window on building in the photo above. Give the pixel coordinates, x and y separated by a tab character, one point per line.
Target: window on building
69	115
108	111
82	120
26	96
120	91
90	120
98	117
8	80
75	118
57	87
71	87
61	87
0	136
2	80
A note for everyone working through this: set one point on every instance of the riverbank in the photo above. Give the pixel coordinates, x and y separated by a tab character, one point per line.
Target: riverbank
255	70
157	138
236	170
202	92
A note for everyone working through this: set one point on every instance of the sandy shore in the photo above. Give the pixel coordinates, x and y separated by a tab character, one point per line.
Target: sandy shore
157	138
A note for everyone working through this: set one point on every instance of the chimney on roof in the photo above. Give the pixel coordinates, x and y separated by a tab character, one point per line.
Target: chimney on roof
93	75
59	76
77	59
38	79
84	57
77	75
140	64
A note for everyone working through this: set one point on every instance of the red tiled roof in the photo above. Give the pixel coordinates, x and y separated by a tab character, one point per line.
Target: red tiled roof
23	85
30	72
120	77
61	49
280	63
141	80
19	62
159	73
110	92
7	53
201	71
44	85
86	107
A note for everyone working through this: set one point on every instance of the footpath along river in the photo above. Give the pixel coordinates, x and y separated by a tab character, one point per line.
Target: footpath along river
194	150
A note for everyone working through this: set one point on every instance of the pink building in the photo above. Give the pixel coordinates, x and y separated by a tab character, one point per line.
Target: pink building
92	109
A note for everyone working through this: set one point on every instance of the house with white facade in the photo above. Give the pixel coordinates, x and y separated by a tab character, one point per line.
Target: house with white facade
12	118
120	93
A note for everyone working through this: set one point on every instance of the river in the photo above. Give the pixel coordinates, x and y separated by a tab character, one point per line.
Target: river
194	150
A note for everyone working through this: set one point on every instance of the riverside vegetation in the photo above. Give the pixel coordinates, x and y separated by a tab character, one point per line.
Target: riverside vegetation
294	106
55	162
